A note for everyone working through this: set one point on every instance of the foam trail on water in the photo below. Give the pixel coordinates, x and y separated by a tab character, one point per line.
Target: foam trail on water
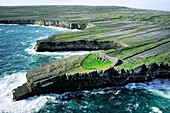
10	82
57	28
156	110
37	31
10	24
31	50
159	87
9	31
32	104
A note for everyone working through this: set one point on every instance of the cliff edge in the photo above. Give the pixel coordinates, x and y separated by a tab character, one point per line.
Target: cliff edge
88	45
67	75
64	24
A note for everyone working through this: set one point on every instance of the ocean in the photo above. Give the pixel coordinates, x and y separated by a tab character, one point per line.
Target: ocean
17	56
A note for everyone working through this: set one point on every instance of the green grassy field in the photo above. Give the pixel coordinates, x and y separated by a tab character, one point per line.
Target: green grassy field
94	61
145	34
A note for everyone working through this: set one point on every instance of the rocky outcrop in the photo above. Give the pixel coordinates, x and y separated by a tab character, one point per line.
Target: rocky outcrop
69	25
49	45
55	77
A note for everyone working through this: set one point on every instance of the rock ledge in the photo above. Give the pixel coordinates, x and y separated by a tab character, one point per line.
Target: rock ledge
55	77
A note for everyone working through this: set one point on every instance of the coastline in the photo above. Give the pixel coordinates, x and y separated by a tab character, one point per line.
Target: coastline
68	25
106	85
143	34
35	103
31	49
46	79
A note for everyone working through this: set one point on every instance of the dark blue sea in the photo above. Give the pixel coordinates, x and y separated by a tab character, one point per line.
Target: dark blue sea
17	56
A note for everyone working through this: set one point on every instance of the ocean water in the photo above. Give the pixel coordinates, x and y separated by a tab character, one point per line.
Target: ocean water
17	56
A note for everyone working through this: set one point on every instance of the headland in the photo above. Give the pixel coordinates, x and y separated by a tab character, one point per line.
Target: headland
138	39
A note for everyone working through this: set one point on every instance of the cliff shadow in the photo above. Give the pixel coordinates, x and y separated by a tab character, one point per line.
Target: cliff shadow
119	63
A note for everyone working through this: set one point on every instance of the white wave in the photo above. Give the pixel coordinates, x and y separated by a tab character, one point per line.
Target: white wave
106	90
32	25
10	24
29	105
31	48
157	84
117	92
0	29
159	87
52	27
32	104
156	110
9	31
61	28
75	30
23	43
64	53
42	37
59	54
57	28
37	31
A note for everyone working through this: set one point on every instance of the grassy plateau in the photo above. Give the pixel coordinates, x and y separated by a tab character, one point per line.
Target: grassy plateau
94	61
145	34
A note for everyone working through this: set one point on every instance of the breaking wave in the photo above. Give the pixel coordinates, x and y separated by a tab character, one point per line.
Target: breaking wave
10	82
158	87
57	28
59	54
32	104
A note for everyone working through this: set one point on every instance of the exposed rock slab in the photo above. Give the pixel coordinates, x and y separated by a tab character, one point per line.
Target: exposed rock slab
58	77
49	45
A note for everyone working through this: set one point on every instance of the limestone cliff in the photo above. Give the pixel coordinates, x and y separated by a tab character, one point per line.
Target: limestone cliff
49	45
66	75
64	24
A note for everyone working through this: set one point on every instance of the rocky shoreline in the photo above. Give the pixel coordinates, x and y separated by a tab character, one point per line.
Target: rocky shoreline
64	24
54	77
51	46
87	45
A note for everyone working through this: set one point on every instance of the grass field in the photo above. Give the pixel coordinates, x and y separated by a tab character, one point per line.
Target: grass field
145	33
94	61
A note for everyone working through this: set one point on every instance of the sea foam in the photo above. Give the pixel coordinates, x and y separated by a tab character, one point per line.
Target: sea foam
59	54
156	110
57	28
10	24
32	104
9	31
10	82
158	87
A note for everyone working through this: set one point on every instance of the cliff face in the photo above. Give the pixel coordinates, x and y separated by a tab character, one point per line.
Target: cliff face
47	45
54	77
63	24
50	45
